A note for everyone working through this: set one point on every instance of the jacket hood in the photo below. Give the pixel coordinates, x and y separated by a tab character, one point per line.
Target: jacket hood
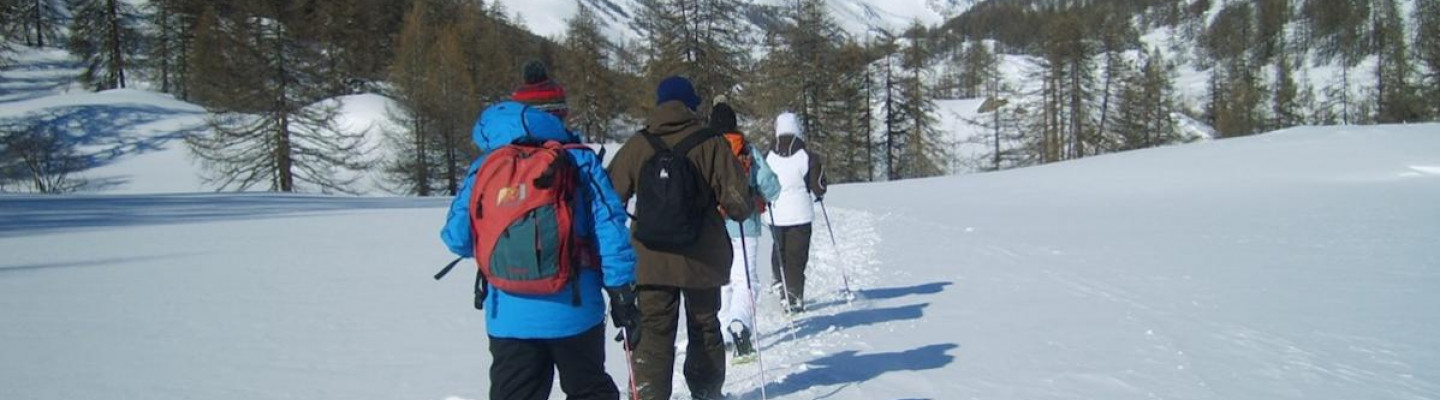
787	145
788	124
671	117
503	123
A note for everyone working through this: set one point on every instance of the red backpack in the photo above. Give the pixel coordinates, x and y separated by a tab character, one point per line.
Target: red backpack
521	215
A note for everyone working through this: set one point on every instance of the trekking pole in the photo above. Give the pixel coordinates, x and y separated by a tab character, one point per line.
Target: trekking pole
754	315
630	364
844	277
784	283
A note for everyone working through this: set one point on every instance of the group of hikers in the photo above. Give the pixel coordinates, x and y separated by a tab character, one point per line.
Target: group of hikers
549	228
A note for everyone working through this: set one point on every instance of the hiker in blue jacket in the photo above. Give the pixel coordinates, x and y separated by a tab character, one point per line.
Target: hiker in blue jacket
533	336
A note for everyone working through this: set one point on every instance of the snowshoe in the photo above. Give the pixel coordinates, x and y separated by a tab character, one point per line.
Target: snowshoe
744	346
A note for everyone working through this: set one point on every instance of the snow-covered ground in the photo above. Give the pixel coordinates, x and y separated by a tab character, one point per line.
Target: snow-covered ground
1298	264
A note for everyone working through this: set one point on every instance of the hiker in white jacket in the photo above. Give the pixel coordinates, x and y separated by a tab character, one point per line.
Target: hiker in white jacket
802	183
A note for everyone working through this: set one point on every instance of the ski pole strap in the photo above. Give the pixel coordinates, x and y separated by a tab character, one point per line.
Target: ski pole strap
448	267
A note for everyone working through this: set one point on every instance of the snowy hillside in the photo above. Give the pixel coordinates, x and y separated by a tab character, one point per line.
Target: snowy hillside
1293	265
134	139
547	17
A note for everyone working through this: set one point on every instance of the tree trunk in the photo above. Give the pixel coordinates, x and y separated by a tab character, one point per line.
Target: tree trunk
422	168
283	161
39	23
117	56
1076	125
164	48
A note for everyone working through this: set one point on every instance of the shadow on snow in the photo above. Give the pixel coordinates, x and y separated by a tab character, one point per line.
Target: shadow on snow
851	367
28	215
26	81
98	135
882	294
82	264
893	293
854	318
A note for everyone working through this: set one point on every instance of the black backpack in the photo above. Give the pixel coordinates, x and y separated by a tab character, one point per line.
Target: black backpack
671	196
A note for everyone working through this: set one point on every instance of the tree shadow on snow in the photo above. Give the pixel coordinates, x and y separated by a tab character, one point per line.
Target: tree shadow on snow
85	137
849	319
851	367
106	131
21	81
29	215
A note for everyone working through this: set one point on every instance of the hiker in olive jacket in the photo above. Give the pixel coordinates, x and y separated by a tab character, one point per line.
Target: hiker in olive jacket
695	272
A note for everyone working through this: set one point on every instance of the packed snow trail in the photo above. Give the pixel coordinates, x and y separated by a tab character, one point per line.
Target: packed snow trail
789	342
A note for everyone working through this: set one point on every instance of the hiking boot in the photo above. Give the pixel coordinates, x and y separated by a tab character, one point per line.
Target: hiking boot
794	306
743	345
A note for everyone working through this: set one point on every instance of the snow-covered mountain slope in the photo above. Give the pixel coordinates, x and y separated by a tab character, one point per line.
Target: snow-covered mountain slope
547	17
1298	264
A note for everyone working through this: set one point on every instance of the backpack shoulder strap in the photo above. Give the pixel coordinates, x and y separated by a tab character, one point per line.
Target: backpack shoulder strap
655	142
577	146
695	139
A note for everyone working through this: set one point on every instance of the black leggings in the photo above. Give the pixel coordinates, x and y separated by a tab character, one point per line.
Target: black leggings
792	252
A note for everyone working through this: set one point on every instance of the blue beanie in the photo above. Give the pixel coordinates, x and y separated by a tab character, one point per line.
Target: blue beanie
677	88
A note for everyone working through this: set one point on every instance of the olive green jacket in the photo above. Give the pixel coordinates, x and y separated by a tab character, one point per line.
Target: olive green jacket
706	263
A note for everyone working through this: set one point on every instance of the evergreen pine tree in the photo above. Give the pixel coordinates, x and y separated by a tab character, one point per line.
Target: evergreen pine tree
38	21
269	126
979	67
171	42
1271	19
355	36
1427	28
9	29
1338	31
846	117
704	40
437	99
1115	32
1286	100
103	35
1237	95
920	151
1001	119
1396	98
595	101
1145	113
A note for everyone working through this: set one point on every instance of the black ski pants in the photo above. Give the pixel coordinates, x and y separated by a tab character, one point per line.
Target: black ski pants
791	253
524	369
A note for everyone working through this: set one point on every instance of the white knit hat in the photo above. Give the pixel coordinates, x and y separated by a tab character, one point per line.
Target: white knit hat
788	124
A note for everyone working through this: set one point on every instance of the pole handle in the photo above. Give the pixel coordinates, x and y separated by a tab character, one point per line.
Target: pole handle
448	267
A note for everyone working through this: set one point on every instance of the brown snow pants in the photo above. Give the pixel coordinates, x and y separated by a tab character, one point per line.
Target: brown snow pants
655	355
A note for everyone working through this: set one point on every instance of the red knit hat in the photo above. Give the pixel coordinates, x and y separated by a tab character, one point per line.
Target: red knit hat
541	92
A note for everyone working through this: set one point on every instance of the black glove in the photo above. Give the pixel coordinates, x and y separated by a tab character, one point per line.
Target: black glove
625	313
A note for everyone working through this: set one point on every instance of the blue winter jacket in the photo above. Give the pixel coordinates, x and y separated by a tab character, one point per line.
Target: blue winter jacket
603	223
766	184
